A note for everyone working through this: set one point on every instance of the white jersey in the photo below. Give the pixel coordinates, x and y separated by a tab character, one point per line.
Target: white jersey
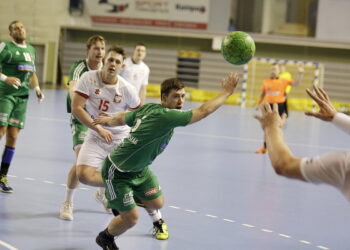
331	168
109	99
136	74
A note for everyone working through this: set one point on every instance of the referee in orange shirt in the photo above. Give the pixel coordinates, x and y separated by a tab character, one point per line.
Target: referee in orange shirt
273	90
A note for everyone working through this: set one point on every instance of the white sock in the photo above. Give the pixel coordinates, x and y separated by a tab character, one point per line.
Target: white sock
69	194
155	215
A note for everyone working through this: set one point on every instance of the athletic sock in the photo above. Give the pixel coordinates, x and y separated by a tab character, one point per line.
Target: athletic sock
156	215
6	160
69	194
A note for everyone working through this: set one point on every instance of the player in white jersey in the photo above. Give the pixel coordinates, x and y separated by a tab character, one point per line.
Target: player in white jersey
136	71
331	168
101	91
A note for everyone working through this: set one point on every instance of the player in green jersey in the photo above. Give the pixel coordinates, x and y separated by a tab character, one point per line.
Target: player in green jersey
95	47
126	170
17	67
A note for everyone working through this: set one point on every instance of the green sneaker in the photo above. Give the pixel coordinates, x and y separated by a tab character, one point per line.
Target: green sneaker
160	230
4	186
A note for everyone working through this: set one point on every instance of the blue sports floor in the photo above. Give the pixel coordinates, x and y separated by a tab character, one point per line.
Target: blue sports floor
219	194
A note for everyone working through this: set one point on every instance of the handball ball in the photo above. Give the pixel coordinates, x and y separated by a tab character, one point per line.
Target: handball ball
238	47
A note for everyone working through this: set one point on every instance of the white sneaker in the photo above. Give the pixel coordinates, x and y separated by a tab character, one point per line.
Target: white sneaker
66	211
101	198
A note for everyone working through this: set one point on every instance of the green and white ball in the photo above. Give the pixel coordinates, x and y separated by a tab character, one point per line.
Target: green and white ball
238	47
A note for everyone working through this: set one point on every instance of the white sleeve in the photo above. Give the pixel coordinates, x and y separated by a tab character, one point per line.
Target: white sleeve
342	121
133	98
83	86
331	168
145	79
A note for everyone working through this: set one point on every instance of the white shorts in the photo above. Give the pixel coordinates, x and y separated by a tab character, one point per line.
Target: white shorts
331	168
94	151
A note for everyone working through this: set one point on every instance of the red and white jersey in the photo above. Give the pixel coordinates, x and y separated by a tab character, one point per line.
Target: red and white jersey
136	74
109	99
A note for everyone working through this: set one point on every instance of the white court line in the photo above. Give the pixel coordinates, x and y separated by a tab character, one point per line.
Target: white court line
256	140
285	235
266	230
174	207
49	182
211	216
224	137
228	220
191	211
8	246
29	179
247	225
305	242
322	247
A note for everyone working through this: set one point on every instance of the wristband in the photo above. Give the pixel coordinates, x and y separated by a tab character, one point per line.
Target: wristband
3	77
37	88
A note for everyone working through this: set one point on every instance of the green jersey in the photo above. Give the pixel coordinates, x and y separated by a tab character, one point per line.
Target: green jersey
152	128
75	72
16	61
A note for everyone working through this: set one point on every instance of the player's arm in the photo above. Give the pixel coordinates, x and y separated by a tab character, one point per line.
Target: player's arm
114	120
282	159
35	84
327	112
228	87
300	76
142	94
9	80
72	87
78	104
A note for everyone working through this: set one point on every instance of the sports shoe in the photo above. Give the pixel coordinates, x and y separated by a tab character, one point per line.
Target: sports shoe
261	150
66	211
101	198
160	230
4	186
106	242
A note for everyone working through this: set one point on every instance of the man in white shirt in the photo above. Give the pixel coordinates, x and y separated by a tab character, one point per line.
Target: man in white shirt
136	71
330	168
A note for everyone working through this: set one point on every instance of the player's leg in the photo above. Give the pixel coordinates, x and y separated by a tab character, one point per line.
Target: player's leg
12	113
116	227
151	196
78	133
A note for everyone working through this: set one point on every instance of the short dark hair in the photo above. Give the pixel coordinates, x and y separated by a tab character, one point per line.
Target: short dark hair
169	84
94	39
140	44
118	50
13	22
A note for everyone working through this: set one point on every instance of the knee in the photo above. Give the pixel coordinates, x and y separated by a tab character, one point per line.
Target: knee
130	219
81	174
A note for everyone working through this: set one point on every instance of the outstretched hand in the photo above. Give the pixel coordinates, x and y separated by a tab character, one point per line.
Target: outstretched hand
270	118
229	84
327	111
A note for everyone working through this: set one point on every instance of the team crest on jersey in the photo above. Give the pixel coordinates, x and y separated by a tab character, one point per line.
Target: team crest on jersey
118	98
97	91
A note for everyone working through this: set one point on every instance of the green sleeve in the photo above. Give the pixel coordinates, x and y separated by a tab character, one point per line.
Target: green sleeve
130	118
3	54
177	118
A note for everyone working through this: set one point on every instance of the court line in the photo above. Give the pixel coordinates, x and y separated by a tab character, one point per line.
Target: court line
177	208
221	137
8	246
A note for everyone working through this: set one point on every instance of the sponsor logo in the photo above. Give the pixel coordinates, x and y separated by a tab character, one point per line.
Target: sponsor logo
152	6
25	67
114	8
152	191
97	91
17	53
128	199
132	139
190	8
118	98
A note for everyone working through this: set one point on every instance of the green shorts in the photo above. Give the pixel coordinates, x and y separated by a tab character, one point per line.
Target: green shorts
79	131
13	111
121	187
